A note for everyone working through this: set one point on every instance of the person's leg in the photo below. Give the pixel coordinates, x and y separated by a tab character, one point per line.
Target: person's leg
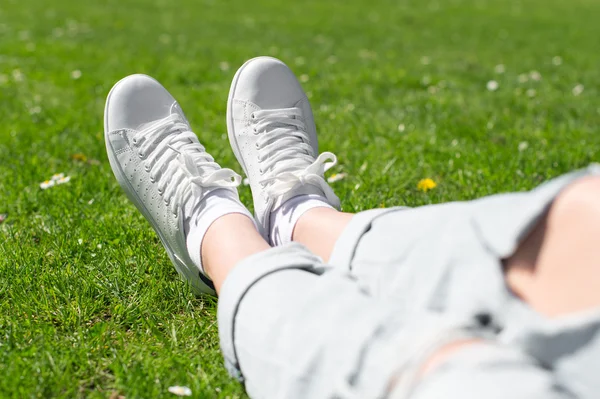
288	332
557	268
229	240
272	132
319	229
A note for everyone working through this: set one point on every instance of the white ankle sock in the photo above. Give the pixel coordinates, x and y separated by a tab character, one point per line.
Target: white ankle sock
217	203
284	218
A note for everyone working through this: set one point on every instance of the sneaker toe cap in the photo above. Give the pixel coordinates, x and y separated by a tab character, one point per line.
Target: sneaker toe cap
268	83
135	100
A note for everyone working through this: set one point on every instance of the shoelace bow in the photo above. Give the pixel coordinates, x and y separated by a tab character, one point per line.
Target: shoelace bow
177	161
285	156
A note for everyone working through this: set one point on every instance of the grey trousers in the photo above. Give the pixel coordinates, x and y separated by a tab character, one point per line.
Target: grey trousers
400	284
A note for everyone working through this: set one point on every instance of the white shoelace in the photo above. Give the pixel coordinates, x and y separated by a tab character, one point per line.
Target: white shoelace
179	164
285	156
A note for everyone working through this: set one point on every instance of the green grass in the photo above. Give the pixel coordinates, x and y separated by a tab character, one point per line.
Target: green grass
90	305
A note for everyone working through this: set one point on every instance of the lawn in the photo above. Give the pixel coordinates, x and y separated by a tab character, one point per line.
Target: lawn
480	96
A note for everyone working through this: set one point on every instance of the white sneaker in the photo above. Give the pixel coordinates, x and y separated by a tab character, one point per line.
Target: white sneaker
162	167
273	135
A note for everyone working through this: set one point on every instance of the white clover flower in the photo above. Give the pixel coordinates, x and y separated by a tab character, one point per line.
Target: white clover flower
523	145
224	66
80	241
300	61
350	107
535	75
492	85
76	74
577	90
336	177
557	60
531	92
401	127
17	75
246	181
332	59
304	78
180	391
425	60
523	78
500	69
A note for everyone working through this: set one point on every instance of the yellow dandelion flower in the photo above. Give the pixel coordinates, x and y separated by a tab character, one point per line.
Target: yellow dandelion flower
426	185
79	157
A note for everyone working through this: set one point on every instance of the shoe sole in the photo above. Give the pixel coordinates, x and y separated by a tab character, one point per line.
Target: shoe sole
181	268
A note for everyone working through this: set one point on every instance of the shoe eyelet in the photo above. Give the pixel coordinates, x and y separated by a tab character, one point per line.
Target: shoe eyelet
261	171
134	141
256	145
254	130
141	155
252	116
160	192
147	169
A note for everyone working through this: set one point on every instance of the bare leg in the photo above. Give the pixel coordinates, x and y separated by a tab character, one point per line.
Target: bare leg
557	268
319	228
229	240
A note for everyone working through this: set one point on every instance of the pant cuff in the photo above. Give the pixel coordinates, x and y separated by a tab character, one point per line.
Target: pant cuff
242	278
343	251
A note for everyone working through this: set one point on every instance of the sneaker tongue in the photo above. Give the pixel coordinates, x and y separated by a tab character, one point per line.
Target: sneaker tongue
175	109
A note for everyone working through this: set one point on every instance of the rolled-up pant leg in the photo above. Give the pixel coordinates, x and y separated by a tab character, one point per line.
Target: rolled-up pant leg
490	372
448	258
290	330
